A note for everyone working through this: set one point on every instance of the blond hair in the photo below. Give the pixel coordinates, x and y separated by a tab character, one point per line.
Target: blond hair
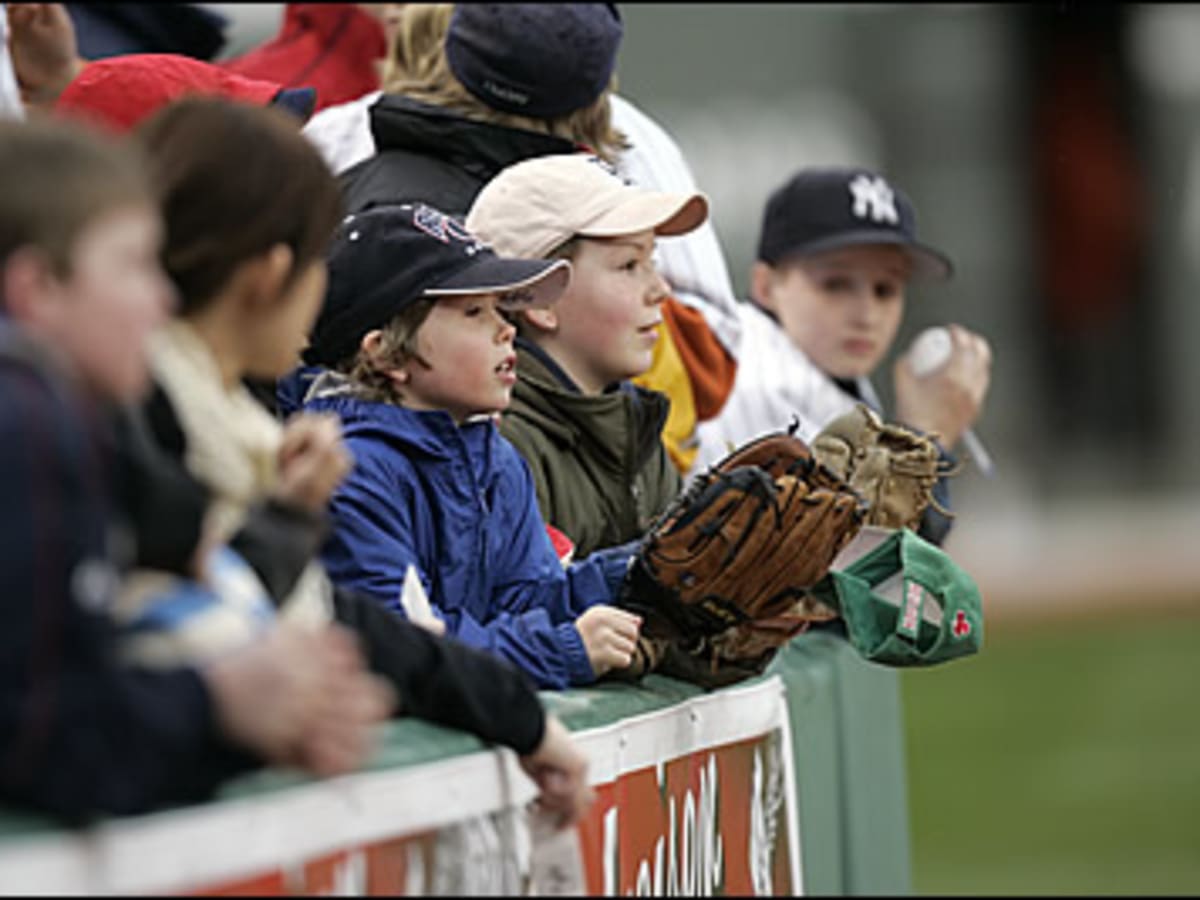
415	44
418	69
397	345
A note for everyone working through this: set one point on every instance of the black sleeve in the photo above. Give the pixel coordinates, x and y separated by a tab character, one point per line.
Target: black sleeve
445	681
278	540
162	502
935	525
80	734
163	423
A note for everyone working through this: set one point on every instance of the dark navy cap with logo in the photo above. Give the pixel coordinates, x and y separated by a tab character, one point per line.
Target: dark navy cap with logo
544	60
823	209
384	259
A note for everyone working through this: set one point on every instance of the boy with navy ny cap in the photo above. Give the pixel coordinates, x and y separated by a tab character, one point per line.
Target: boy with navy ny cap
419	360
837	251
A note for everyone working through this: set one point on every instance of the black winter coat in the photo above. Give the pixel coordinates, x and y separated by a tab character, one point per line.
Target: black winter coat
425	153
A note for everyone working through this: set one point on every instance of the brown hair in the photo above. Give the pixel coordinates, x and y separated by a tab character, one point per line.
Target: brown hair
419	70
234	180
56	179
398	346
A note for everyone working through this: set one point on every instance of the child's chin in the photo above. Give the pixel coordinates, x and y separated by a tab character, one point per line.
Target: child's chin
847	370
497	406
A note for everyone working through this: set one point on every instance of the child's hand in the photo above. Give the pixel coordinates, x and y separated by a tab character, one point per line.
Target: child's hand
43	47
560	770
300	698
609	636
949	399
312	461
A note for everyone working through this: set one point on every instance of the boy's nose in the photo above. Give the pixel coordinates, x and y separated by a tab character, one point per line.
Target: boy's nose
660	290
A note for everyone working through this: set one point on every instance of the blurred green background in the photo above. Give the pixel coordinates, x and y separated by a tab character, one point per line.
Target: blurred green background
1064	759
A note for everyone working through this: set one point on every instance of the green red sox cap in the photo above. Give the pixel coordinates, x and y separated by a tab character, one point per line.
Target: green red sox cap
906	603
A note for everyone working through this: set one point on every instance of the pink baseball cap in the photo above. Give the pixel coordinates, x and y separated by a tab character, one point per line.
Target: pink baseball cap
532	207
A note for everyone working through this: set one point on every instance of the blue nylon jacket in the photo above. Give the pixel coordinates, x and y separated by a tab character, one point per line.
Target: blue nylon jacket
458	503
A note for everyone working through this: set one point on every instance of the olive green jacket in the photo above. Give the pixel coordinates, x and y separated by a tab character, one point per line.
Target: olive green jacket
599	465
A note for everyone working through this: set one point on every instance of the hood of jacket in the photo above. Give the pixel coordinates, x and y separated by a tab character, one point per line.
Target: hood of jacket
424	152
428	435
482	148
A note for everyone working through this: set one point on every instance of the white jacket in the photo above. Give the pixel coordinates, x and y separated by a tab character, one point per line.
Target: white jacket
693	264
343	132
11	106
776	383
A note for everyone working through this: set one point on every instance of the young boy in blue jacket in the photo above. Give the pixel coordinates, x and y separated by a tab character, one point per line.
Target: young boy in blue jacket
420	360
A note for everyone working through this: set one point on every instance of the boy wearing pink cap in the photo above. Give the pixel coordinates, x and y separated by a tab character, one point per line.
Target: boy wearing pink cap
592	438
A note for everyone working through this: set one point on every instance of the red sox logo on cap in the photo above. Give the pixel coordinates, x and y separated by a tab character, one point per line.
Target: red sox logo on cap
911	617
961	626
438	225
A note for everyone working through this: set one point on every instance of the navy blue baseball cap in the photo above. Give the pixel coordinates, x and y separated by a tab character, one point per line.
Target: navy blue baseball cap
534	59
821	209
384	259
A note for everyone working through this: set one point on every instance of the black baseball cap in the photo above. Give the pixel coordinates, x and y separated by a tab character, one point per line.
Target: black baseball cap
821	209
534	59
387	257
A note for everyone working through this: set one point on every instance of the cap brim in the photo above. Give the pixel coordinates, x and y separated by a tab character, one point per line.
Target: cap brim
927	264
664	214
522	283
300	102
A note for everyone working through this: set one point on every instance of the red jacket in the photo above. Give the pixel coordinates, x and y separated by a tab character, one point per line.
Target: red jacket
329	46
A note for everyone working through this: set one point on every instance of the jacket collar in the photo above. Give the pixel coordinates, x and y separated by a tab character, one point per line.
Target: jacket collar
547	397
398	123
547	364
430	433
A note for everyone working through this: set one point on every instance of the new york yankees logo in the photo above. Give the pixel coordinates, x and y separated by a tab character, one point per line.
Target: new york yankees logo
873	197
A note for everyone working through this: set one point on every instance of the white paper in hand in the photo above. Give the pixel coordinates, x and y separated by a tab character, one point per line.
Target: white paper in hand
416	602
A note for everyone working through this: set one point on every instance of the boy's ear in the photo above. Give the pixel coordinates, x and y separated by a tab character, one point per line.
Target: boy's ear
762	283
263	277
28	281
370	344
543	319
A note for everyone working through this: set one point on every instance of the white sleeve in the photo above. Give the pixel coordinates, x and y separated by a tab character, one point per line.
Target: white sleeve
11	106
343	132
692	264
776	384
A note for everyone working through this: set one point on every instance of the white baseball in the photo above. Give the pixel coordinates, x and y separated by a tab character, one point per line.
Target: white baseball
930	350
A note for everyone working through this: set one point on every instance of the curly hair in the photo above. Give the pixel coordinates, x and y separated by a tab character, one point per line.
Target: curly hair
398	345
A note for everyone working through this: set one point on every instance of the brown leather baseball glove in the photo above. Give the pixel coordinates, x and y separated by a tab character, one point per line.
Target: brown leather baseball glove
893	467
743	543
